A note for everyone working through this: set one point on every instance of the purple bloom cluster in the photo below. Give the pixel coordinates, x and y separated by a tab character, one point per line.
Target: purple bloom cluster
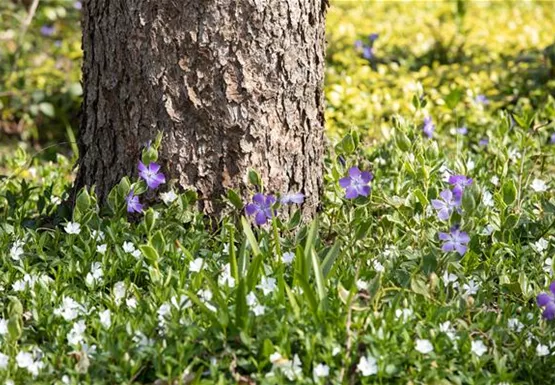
429	127
547	301
47	30
459	182
367	49
357	183
446	205
133	204
153	178
262	206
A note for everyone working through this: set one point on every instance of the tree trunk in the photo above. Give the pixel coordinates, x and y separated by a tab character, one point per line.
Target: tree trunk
233	85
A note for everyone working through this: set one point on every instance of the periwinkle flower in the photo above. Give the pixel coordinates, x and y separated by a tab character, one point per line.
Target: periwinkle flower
483	142
462	130
358	44
373	37
357	183
446	205
459	182
261	208
547	301
293	198
368	52
429	127
133	204
456	240
151	175
481	99
552	139
47	30
78	5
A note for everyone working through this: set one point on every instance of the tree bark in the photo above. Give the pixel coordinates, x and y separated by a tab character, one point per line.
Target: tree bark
233	85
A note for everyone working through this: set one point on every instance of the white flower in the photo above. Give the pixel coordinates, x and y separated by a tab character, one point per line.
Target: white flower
16	250
292	369
226	248
548	265
128	247
4	360
321	370
478	347
77	333
163	312
335	351
542	350
494	180
424	346
225	277
70	309
98	235
538	185
196	265
168	197
487	199
3	327
448	330
403	313
288	257
55	200
367	366
515	325
136	254
378	266
101	248
182	303
26	360
410	157
361	284
449	278
66	380
275	357
470	288
73	228
267	285
105	318
541	245
514	154
95	275
470	165
119	292
258	309
488	230
131	302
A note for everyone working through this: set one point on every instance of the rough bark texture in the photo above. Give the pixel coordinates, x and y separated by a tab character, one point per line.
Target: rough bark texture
233	84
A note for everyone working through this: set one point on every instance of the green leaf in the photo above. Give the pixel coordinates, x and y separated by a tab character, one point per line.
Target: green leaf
241	308
418	285
421	197
150	253
235	199
250	236
158	242
509	192
308	294
319	277
330	259
150	220
254	178
293	302
47	109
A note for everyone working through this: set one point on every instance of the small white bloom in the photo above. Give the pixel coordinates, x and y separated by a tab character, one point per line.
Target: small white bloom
367	366
487	199
478	347
205	295
275	357
106	318
449	278
424	346
119	292
494	180
131	302
196	265
293	369
226	248
77	333
4	361
541	245
225	277
70	309
95	275
55	200
3	327
361	284
405	313
488	230
128	247
136	254
163	312
470	165
321	370
168	197
16	251
98	235
538	185
514	154
267	285
378	266
548	265
101	248
542	350
470	288
335	351
66	380
26	360
180	303
73	228
288	257
515	325
448	330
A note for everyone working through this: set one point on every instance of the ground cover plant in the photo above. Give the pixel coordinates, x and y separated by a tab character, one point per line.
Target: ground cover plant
429	263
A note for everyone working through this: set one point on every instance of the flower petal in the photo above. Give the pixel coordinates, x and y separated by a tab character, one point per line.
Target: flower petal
260	218
351	192
154	167
354	172
549	312
142	167
463	237
543	299
250	209
552	288
444	236
448	246
366	176
444	214
345	182
259	199
446	195
363	190
437	204
461	249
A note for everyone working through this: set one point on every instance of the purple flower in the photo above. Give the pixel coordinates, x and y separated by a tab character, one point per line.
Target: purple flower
462	130
358	44
150	174
547	301
456	240
261	208
481	99
429	127
133	204
367	52
78	5
356	184
295	198
373	37
552	139
446	205
460	182
47	30
483	142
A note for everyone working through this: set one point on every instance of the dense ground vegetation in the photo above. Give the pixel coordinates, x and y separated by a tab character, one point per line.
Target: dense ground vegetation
424	267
